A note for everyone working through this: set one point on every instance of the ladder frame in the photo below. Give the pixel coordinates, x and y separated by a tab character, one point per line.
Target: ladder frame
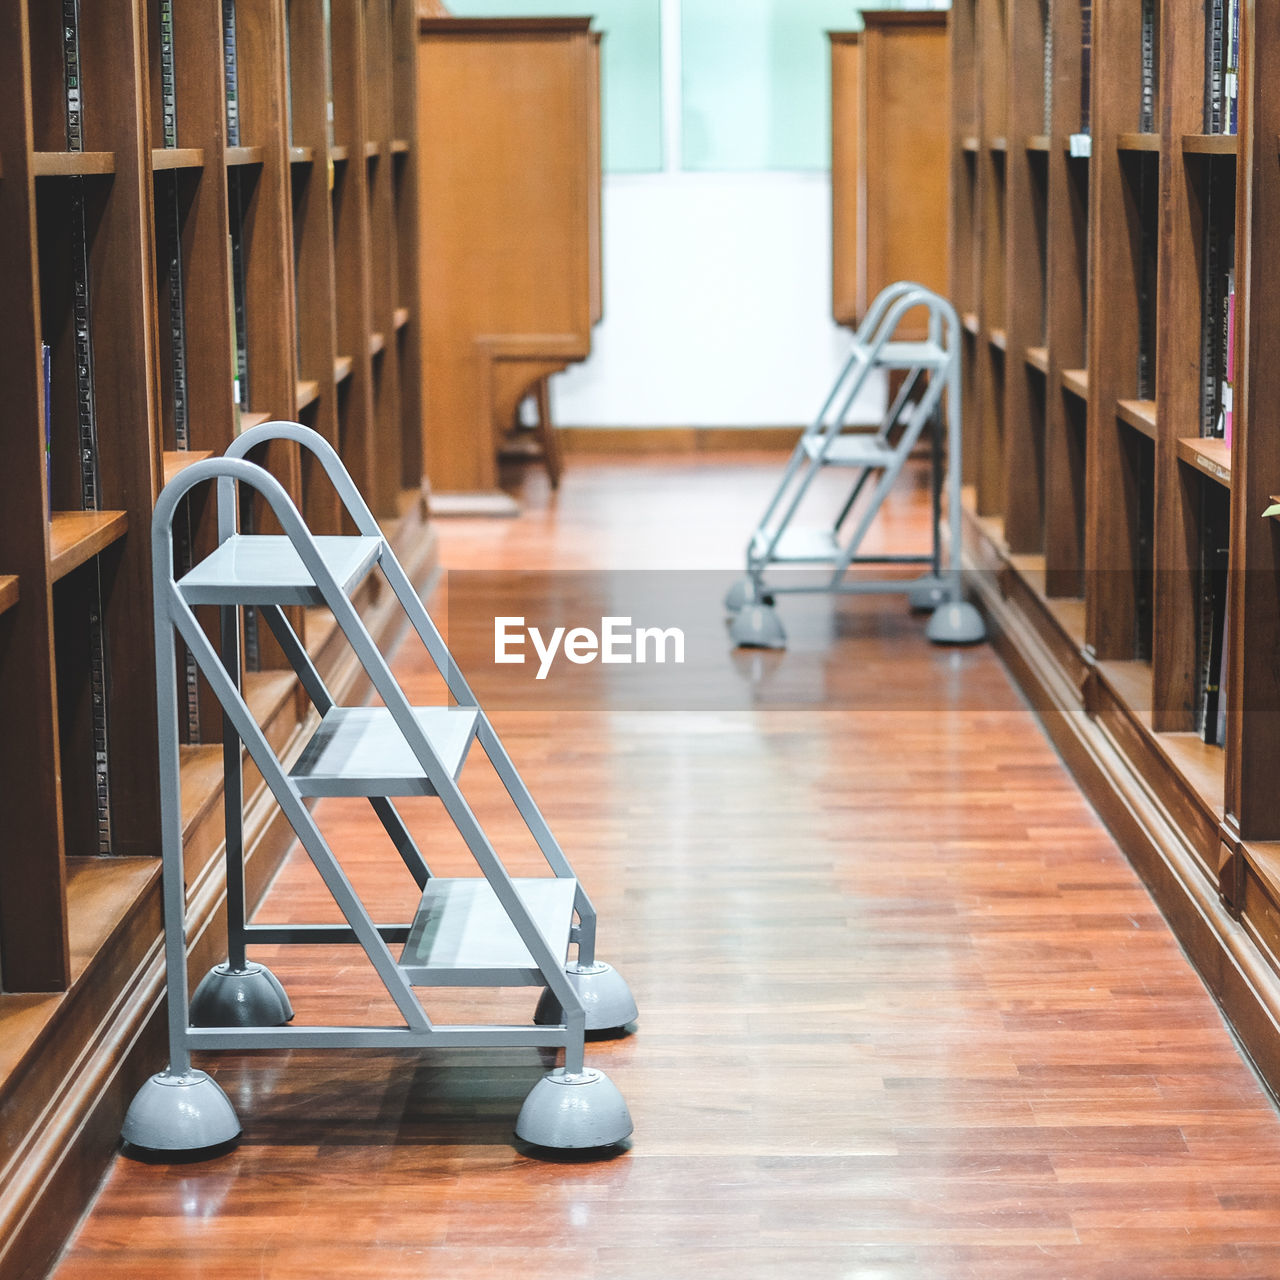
173	613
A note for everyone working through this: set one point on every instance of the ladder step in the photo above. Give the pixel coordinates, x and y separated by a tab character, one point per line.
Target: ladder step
908	355
799	545
463	937
851	451
261	569
360	751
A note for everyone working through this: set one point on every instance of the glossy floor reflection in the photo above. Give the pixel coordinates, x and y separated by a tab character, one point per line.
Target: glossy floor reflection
905	1010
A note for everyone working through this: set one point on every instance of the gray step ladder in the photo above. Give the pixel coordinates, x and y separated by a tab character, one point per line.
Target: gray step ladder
487	930
930	390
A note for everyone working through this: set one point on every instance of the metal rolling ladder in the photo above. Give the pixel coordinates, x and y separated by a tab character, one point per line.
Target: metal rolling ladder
486	930
930	389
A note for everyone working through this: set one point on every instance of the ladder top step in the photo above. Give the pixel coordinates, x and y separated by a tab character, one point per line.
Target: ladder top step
462	935
908	355
798	546
360	751
851	451
260	569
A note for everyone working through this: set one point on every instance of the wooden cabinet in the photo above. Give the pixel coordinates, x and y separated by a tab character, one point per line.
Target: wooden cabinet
889	157
509	233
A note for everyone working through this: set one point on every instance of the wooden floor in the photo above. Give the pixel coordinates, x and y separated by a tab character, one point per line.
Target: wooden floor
905	1010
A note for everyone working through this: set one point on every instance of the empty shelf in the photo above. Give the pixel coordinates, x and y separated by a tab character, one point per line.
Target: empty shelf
851	451
360	751
462	936
258	569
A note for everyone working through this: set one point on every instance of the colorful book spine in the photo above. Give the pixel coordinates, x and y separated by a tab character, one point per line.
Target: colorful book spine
1231	70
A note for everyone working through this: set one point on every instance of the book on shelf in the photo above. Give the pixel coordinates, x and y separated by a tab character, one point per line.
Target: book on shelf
1216	323
86	413
1221	70
1229	372
1080	143
1046	17
1214	560
1220	724
168	77
46	366
231	72
1147	41
1148	248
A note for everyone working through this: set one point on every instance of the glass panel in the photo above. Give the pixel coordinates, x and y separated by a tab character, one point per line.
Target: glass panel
757	81
630	69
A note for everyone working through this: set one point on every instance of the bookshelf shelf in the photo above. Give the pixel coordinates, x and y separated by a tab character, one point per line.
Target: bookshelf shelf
971	323
250	420
72	164
77	536
999	339
302	155
1038	358
308	392
339	153
8	591
175	461
400	317
236	156
1139	414
166	158
341	371
377	343
1138	142
1210	144
372	150
1210	457
998	143
399	146
1038	142
970	144
1077	382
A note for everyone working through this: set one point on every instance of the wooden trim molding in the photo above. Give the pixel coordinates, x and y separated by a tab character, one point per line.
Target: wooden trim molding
1149	807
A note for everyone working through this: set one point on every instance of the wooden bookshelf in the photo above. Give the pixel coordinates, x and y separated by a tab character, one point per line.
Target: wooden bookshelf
892	228
300	312
1108	517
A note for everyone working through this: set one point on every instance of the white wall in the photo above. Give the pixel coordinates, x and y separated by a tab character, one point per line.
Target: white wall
717	294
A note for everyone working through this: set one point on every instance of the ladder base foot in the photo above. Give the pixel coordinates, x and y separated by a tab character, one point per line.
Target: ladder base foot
741	594
248	997
574	1112
605	996
180	1113
956	622
927	592
758	627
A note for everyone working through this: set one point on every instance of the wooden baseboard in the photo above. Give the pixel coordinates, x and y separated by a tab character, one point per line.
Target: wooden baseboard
63	1100
1151	810
676	440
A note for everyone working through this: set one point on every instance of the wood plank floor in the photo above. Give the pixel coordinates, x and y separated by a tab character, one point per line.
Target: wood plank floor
905	1010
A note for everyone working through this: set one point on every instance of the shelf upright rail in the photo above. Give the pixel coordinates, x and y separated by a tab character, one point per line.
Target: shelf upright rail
480	931
930	388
